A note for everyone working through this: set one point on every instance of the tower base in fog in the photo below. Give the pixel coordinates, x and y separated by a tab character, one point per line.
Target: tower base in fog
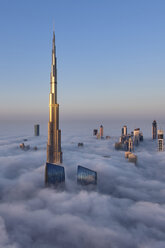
86	176
54	174
37	130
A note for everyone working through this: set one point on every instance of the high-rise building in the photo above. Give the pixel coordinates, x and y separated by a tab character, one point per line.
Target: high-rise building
124	130
37	130
101	131
54	153
160	140
154	130
141	136
54	174
95	131
86	176
136	136
132	158
130	145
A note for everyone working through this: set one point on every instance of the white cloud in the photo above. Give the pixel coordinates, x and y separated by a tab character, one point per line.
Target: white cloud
127	208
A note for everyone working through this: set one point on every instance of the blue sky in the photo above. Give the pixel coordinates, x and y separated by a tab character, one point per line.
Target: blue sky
110	58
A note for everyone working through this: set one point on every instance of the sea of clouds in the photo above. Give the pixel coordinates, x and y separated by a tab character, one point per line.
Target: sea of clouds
126	209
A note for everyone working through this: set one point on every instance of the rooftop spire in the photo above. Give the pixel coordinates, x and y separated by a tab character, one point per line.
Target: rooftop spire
53	67
53	40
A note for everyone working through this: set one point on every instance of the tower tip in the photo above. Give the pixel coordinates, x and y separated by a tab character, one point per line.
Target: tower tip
53	28
53	40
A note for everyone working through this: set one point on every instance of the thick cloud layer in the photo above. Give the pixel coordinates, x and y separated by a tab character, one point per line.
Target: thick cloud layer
126	209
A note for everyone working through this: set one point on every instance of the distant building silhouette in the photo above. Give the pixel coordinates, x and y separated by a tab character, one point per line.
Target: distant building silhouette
136	136
80	144
160	140
24	147
141	136
95	131
128	141
130	145
154	130
119	146
37	130
101	132
132	158
127	154
124	130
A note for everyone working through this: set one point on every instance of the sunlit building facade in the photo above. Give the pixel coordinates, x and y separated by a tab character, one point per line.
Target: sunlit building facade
124	130
136	136
101	131
130	145
54	153
54	173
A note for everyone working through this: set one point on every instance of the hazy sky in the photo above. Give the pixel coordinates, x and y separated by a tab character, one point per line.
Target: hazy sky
111	58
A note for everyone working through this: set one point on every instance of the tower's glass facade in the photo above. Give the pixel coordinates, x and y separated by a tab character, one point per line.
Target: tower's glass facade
86	176
54	174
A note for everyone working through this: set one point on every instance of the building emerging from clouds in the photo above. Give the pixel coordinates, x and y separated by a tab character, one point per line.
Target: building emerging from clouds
154	130
37	130
54	153
86	176
160	140
54	173
124	130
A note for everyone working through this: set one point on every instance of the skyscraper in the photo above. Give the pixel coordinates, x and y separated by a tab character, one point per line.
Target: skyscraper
54	174
101	131
86	176
95	131
160	140
37	130
136	136
130	145
154	130
54	153
124	130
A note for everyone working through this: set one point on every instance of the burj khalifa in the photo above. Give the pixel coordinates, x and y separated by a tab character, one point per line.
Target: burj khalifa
54	153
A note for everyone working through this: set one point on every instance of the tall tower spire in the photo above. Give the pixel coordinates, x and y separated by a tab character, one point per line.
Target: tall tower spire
54	153
53	74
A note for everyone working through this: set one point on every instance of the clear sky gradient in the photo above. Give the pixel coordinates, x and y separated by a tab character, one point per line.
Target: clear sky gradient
111	58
